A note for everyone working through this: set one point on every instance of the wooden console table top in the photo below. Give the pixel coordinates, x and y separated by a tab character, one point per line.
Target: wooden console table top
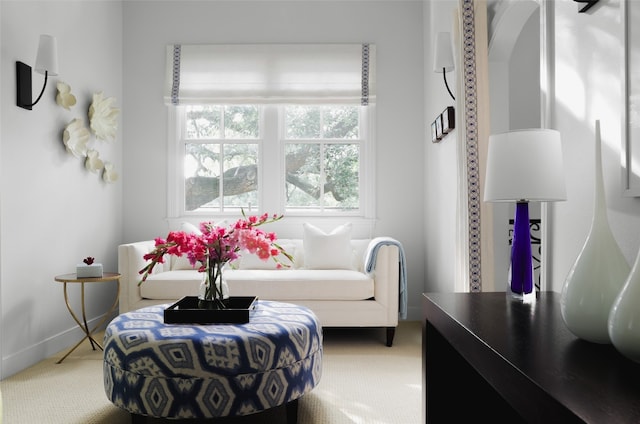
534	363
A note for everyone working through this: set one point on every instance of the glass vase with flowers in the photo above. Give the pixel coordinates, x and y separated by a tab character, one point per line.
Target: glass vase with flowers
215	246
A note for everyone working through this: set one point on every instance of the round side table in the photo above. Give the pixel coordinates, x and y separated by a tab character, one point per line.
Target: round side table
73	278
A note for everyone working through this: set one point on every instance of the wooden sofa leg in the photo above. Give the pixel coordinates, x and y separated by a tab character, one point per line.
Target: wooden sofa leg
391	332
292	412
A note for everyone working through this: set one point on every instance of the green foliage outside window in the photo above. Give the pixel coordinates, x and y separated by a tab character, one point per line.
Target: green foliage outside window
322	157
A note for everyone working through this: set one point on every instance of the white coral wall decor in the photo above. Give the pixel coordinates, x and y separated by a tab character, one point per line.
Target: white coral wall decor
75	137
103	117
64	97
102	123
109	175
93	162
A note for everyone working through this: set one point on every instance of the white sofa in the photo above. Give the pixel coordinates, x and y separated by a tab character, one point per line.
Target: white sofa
351	297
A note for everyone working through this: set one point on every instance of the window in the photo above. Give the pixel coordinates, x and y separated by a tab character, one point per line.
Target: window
322	158
220	153
296	159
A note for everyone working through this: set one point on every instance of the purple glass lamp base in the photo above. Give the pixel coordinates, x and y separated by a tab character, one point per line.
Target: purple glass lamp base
521	272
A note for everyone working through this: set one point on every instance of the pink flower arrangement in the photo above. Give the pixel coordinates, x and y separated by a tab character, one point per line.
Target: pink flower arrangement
215	246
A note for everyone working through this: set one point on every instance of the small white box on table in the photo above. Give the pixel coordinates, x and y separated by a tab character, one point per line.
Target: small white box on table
89	271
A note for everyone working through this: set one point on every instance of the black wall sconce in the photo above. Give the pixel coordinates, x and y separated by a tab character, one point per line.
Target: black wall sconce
46	64
587	6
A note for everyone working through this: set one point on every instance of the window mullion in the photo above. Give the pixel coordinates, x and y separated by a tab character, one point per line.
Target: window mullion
222	145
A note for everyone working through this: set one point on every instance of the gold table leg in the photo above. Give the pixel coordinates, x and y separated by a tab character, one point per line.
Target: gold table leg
83	324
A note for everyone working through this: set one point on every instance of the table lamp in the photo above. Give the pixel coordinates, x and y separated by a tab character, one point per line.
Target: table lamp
524	166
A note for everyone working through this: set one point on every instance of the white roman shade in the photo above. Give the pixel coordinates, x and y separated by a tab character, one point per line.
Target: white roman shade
270	73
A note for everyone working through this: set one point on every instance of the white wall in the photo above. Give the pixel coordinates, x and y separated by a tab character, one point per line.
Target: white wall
588	67
441	159
394	26
524	84
54	213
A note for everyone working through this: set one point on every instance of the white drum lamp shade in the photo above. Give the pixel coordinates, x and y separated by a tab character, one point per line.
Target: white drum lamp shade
525	165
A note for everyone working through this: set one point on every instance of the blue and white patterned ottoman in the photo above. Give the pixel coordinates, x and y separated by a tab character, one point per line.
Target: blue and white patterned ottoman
206	371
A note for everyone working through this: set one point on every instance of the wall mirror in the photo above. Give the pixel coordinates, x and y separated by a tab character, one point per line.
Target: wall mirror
631	95
516	100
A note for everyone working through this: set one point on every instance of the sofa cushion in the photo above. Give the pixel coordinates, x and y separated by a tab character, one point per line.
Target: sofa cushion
288	284
327	251
181	263
171	285
292	284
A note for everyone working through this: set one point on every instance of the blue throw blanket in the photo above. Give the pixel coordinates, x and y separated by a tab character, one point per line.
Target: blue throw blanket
370	264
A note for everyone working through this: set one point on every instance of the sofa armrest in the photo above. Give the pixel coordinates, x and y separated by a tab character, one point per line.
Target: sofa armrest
130	262
386	275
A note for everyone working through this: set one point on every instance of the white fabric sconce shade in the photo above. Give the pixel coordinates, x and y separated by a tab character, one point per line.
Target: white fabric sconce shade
443	54
443	57
525	165
47	58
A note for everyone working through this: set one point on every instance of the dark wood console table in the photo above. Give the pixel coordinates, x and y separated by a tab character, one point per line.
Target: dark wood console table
487	356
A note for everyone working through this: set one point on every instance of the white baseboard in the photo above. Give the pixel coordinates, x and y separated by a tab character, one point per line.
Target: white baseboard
414	313
58	343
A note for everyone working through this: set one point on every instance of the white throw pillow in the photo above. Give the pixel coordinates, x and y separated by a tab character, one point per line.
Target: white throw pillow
188	227
327	251
182	262
252	261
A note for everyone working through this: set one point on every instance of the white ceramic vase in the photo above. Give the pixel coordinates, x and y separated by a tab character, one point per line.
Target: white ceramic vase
624	318
598	274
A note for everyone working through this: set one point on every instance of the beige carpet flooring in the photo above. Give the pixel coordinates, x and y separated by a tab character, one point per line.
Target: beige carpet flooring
363	382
